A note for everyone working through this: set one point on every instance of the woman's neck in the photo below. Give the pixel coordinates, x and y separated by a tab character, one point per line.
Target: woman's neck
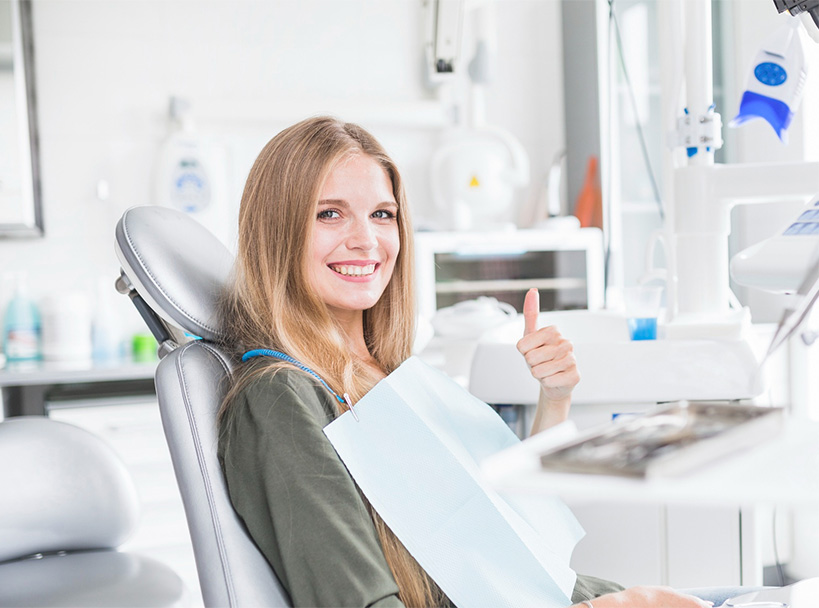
352	328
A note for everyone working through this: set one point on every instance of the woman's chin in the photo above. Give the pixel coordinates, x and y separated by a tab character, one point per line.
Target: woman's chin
352	305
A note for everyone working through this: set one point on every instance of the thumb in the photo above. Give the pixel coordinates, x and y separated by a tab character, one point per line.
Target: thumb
531	308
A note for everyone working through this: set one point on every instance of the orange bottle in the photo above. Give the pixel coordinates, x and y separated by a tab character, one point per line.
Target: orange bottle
588	207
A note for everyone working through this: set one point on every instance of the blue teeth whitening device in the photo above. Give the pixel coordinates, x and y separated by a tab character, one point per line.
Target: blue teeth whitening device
776	82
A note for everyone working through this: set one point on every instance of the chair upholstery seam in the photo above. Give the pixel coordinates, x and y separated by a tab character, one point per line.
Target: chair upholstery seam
203	464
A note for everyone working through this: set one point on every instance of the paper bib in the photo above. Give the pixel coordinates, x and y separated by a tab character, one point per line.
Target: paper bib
415	452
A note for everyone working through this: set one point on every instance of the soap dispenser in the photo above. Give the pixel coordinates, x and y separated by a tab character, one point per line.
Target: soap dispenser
21	325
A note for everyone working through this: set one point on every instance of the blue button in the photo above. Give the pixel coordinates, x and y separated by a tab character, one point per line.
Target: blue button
809	215
771	74
794	229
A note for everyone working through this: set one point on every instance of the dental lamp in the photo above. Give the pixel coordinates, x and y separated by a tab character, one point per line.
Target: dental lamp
477	170
788	262
700	301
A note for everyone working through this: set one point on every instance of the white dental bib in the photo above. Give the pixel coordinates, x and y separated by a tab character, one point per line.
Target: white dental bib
415	450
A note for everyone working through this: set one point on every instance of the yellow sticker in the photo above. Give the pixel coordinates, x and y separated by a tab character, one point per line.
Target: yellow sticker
474	183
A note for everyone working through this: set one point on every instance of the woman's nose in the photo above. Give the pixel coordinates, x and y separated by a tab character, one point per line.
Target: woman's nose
362	235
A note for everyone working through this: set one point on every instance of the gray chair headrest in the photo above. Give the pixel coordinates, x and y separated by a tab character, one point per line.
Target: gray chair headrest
178	267
64	489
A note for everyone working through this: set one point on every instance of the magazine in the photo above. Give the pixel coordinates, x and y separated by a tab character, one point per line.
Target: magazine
668	441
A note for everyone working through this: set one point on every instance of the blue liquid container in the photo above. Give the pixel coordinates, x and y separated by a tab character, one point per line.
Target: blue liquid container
643	329
21	329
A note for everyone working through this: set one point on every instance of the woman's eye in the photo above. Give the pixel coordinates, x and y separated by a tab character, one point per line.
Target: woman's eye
384	214
328	214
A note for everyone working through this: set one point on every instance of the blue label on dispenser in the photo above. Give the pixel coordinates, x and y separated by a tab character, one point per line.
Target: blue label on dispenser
771	74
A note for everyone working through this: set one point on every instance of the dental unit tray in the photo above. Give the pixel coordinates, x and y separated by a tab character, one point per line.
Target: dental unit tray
668	441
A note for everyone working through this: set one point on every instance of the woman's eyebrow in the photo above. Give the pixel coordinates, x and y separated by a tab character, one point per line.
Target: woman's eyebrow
338	202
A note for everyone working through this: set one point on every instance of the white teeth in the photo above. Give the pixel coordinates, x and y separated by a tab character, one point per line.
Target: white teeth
355	271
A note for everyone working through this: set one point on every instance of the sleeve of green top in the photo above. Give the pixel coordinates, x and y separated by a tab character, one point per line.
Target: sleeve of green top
590	587
298	500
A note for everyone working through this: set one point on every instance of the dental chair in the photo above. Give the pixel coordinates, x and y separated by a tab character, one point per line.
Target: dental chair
175	271
66	503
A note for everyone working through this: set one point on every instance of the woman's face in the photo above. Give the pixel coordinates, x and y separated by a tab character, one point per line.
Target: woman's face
355	237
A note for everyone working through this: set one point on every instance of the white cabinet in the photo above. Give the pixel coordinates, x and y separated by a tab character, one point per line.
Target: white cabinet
679	546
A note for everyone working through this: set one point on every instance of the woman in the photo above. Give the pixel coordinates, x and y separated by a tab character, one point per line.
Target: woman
324	275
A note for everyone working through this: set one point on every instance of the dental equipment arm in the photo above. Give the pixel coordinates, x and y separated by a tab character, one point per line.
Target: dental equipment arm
802	8
792	318
700	301
788	263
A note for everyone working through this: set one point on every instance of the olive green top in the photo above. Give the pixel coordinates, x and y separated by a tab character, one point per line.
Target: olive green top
300	504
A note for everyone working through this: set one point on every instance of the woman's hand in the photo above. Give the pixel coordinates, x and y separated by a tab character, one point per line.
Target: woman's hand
549	355
647	597
551	361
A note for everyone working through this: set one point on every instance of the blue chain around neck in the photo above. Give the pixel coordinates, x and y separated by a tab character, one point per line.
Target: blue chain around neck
264	352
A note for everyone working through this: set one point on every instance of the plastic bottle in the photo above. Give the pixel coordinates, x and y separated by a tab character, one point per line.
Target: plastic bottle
191	173
21	325
183	177
66	327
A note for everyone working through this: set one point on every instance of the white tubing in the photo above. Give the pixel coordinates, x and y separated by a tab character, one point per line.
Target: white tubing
699	71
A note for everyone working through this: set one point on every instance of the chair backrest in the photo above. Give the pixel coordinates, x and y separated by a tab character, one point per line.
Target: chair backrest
64	489
68	499
175	271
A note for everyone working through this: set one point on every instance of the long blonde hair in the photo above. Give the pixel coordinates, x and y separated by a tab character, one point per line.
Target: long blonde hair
272	304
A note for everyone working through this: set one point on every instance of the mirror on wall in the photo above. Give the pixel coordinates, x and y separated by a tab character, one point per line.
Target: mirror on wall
20	201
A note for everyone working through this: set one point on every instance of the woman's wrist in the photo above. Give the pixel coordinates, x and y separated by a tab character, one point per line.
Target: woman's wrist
556	408
553	403
550	411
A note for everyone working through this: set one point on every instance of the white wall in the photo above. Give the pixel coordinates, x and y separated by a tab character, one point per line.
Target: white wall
106	70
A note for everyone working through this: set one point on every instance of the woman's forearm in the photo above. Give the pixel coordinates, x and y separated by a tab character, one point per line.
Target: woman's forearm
550	412
645	597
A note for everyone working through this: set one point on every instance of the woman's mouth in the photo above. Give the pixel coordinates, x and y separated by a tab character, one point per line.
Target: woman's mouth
349	270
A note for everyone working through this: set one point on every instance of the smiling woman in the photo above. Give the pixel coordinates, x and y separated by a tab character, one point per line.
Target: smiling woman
323	202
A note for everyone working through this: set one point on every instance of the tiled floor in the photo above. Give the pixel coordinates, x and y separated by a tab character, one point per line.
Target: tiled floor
134	430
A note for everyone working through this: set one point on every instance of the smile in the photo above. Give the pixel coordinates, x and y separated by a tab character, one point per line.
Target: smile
354	271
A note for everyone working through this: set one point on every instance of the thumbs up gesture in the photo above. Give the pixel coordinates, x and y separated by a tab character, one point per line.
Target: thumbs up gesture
549	355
